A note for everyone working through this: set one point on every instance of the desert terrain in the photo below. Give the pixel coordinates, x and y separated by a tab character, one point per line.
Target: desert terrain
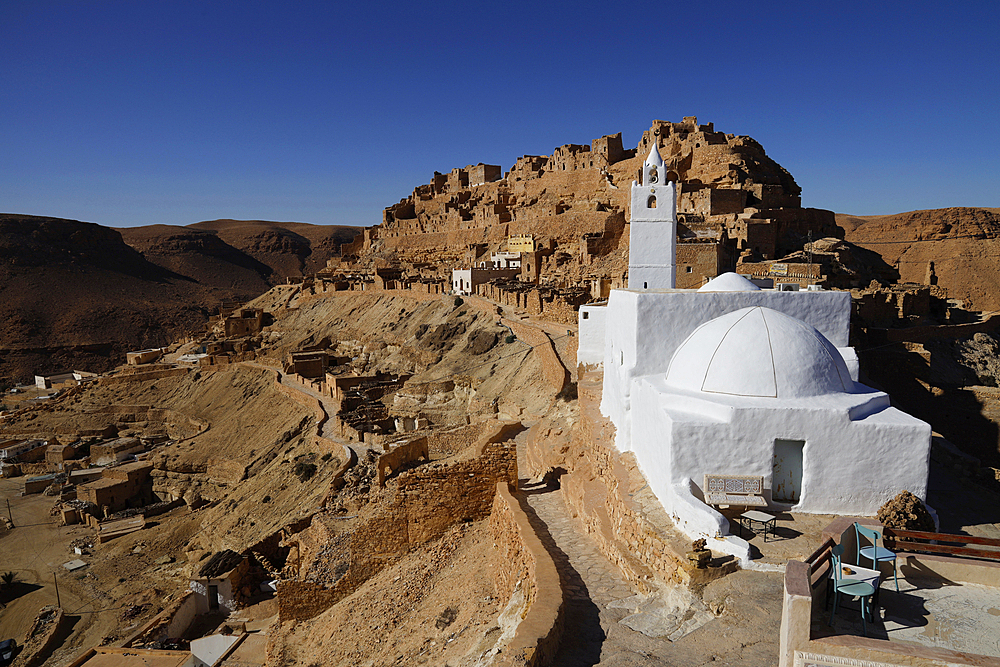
336	459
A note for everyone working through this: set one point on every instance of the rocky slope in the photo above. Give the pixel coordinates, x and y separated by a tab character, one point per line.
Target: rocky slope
77	295
962	243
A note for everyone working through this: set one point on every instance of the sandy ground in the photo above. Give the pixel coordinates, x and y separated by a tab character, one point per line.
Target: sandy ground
433	607
35	550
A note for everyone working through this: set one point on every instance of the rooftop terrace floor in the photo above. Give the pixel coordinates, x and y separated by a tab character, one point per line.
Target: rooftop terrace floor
926	611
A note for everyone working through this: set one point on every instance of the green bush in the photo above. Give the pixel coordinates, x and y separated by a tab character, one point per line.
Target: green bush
510	339
459	301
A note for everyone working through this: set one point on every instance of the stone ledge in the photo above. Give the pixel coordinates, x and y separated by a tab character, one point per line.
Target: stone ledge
540	632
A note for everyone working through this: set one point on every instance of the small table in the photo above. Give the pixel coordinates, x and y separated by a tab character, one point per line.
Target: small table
747	520
858	573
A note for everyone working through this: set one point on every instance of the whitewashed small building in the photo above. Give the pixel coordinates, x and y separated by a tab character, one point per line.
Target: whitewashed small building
465	281
730	379
217	582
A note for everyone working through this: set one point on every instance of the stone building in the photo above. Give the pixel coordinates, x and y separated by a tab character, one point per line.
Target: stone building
465	281
218	582
115	451
120	487
56	455
140	357
246	322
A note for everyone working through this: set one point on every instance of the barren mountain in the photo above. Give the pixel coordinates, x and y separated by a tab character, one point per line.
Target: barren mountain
77	295
289	248
963	244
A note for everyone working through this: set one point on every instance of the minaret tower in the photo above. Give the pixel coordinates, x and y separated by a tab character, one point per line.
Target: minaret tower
652	241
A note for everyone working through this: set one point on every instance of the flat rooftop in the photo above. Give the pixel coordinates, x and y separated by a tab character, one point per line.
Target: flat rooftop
927	611
110	657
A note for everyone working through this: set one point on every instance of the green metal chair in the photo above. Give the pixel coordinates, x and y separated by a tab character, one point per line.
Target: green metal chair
874	553
861	589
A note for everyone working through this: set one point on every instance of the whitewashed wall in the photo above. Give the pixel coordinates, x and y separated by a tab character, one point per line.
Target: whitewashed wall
643	330
849	466
590	337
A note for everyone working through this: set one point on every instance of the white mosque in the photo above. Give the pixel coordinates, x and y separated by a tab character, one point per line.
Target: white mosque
731	379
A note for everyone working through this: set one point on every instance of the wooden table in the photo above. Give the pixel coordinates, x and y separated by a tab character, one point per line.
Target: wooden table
748	519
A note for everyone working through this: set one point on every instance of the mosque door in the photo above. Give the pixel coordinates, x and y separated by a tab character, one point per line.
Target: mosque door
786	481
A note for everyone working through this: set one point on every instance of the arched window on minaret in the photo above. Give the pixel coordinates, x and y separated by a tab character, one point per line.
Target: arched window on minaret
651	202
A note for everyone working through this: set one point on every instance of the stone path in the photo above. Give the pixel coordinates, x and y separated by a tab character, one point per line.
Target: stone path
593	635
598	598
330	406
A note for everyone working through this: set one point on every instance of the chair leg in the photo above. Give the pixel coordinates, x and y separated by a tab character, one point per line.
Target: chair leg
836	595
895	574
864	626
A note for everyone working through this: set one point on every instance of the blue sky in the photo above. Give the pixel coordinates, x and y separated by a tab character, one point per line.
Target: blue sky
134	113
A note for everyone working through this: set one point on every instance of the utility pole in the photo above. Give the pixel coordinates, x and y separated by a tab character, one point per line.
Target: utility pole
810	246
11	516
56	582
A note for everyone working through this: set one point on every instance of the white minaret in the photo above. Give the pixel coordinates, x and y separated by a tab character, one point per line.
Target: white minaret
652	240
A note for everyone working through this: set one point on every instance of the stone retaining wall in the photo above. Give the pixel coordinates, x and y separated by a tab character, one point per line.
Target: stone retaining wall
597	486
141	377
525	561
415	507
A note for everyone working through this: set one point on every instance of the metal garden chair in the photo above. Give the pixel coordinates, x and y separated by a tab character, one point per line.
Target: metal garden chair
875	553
862	589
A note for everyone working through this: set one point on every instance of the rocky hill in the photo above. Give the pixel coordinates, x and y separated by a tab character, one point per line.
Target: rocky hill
960	245
77	295
734	202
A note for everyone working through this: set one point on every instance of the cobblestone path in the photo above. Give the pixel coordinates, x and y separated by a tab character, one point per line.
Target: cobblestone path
591	582
746	635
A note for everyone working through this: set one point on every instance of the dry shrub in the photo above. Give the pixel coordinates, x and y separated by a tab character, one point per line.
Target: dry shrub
906	512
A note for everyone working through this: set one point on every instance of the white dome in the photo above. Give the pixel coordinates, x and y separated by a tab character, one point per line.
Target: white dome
729	282
759	352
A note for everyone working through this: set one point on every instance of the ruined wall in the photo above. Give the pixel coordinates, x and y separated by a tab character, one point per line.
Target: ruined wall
43	637
414	508
401	456
302	600
449	443
171	623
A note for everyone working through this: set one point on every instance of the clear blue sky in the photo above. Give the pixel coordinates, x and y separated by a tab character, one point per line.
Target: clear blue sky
138	112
